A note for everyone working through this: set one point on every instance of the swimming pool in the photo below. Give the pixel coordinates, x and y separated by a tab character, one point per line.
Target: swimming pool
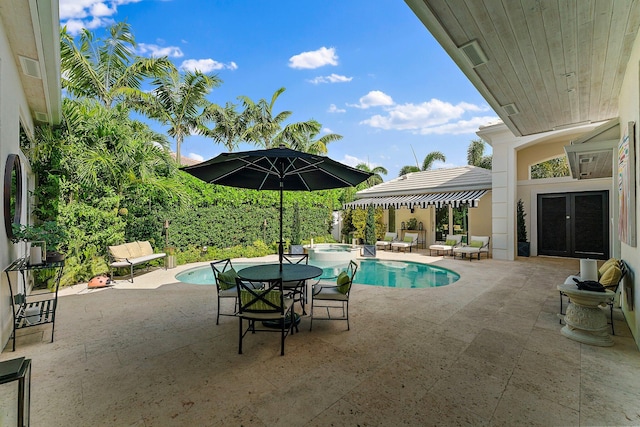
391	274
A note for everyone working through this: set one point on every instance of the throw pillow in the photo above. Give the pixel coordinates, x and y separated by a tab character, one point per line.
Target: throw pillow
344	282
227	279
408	239
388	238
451	242
611	277
476	244
253	303
604	267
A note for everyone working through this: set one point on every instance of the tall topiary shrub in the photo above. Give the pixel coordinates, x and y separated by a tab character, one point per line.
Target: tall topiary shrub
370	227
521	226
295	225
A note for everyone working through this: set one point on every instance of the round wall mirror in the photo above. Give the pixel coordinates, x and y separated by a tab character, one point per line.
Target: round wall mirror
12	193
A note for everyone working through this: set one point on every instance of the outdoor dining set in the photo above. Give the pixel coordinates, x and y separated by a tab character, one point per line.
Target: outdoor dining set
265	295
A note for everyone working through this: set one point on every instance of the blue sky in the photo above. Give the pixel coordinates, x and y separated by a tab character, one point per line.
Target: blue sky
367	70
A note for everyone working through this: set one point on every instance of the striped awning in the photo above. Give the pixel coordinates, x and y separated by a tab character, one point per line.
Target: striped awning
455	198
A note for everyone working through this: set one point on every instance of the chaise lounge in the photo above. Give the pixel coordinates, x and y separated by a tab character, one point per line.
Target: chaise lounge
452	241
410	240
477	246
389	238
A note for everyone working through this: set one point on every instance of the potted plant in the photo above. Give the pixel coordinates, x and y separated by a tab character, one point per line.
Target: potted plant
521	229
49	232
369	247
171	256
296	241
412	224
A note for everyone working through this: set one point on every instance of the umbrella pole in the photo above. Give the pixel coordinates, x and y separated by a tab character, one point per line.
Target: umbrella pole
280	246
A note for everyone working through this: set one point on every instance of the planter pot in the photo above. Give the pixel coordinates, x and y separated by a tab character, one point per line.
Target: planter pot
523	248
171	261
369	250
55	257
296	249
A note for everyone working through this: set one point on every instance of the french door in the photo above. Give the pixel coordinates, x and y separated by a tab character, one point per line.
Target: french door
574	224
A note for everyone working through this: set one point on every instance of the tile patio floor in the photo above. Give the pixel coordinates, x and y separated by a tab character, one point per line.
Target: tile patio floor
486	350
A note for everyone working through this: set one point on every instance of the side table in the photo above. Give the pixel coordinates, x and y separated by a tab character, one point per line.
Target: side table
584	320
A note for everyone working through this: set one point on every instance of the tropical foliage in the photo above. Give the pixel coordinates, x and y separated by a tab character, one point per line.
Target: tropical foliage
106	178
427	163
476	156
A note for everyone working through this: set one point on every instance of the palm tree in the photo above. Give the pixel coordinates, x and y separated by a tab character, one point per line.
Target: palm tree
229	126
265	127
106	69
374	179
179	101
475	155
427	163
302	137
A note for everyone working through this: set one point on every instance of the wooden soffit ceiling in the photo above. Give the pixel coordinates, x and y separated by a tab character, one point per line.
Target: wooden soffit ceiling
542	65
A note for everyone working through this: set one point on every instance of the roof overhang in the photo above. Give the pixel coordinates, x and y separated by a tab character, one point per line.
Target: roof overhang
541	65
592	155
33	30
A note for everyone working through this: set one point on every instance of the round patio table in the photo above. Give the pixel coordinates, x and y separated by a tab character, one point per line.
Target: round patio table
289	273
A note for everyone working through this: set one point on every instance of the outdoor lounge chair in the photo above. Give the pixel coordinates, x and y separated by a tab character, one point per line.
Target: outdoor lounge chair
452	241
477	246
267	305
410	240
389	238
334	295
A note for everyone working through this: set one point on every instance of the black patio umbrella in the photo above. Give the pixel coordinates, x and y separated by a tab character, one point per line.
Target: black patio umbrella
277	169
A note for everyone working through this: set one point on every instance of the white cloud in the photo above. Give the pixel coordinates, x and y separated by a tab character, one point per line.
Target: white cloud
314	59
334	109
351	160
89	14
206	65
146	49
326	130
375	98
459	127
195	156
434	116
332	78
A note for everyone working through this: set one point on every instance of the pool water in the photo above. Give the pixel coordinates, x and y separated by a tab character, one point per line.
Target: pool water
391	274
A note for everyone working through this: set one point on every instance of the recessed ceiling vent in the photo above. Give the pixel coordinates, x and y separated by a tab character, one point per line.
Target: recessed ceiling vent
510	109
30	67
474	53
40	116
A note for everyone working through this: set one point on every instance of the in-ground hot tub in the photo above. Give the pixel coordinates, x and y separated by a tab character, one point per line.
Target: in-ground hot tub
332	252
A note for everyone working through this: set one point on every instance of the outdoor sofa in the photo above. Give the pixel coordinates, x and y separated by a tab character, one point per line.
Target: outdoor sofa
130	254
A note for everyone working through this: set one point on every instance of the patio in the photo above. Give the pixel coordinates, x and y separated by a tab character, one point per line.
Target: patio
486	350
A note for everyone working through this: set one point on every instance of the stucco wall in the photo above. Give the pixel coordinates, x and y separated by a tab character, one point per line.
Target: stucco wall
480	218
13	108
629	110
539	153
